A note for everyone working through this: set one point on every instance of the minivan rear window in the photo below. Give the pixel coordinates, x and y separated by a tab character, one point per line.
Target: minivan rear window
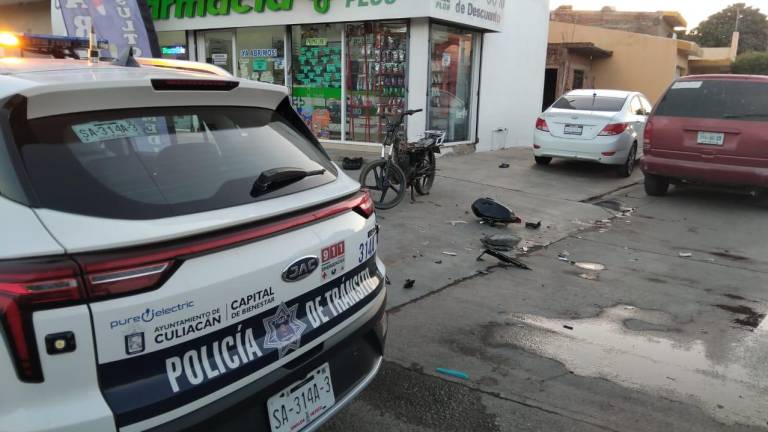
161	162
716	99
590	103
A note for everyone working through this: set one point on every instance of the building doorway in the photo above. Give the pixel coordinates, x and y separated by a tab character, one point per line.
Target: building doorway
550	88
217	48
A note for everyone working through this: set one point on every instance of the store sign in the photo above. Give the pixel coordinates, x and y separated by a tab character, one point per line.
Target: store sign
210	14
316	42
481	13
256	52
173	50
161	9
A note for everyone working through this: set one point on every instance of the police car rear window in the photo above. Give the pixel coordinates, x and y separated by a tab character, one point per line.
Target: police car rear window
161	162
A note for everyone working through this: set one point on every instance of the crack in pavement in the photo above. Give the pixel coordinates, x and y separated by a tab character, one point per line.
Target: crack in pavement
478	274
657	253
517	399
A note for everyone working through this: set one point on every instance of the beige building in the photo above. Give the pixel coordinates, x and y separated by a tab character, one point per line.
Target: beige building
660	23
613	59
25	16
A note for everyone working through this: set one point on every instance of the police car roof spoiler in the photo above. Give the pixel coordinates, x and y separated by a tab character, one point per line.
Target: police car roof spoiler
183	65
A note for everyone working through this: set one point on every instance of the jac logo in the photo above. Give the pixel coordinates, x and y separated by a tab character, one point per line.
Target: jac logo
300	269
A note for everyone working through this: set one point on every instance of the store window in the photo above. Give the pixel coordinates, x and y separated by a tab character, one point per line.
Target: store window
375	77
451	81
578	79
173	45
317	77
261	54
218	48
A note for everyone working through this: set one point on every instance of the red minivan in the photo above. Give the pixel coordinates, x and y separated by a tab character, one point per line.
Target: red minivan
710	129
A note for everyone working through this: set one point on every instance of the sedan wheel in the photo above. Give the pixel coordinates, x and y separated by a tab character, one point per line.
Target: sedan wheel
628	168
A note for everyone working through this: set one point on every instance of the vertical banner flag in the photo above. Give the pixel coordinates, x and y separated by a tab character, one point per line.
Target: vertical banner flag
122	23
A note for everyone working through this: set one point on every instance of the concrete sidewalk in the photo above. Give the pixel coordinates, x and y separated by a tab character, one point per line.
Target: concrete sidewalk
418	239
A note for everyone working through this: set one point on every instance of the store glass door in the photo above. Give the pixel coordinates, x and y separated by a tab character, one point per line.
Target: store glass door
217	47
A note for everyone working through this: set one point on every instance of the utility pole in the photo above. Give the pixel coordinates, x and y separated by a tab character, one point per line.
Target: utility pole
738	19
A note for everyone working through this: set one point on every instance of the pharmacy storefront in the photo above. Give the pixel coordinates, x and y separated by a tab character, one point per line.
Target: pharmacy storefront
348	63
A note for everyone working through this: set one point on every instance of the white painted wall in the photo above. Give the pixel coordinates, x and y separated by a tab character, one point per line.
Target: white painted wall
512	77
418	72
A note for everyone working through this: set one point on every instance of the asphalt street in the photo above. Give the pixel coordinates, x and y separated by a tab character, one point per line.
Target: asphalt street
669	336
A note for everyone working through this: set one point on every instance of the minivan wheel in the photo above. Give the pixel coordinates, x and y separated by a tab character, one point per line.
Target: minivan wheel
656	185
628	168
542	160
761	198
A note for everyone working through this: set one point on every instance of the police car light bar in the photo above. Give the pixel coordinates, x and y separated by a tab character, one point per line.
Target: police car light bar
56	46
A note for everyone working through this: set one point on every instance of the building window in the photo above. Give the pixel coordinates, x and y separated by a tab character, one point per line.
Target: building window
317	77
260	54
578	79
450	96
376	72
173	44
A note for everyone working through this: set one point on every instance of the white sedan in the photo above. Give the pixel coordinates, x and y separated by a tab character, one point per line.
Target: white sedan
604	126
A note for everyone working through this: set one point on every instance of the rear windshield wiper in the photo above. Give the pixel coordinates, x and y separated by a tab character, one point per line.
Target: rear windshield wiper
744	115
277	178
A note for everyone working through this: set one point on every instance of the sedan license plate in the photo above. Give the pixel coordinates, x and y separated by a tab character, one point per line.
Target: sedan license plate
573	129
302	402
711	138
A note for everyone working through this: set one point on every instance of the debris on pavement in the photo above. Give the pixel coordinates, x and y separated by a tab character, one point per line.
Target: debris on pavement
684	254
595	267
503	242
533	225
504	165
492	212
567	327
449	253
589	276
352	164
456	222
439	262
590	266
453	373
409	283
504	258
527	245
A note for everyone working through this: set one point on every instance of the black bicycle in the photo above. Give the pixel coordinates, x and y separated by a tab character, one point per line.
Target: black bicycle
402	165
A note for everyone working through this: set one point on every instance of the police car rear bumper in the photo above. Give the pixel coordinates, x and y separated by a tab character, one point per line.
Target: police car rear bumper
354	358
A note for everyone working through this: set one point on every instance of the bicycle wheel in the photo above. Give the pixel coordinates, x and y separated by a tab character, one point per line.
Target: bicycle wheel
386	182
423	184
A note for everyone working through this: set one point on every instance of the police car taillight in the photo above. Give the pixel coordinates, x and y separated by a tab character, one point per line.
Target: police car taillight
26	286
38	284
193	85
365	207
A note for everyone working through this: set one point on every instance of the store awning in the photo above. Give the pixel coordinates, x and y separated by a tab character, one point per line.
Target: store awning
585	49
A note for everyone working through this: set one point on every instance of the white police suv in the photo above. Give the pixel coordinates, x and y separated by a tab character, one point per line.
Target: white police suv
177	252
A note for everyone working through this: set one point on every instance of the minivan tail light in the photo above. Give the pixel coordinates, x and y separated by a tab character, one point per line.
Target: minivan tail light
541	125
648	135
614	129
